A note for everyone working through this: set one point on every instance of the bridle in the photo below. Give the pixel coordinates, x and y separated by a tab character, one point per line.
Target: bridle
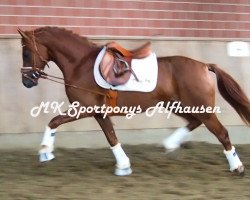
37	73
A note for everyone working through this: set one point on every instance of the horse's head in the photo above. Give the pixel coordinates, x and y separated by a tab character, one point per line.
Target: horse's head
35	58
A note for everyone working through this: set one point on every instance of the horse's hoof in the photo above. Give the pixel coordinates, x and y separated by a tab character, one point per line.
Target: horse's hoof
170	151
240	170
170	147
46	156
123	172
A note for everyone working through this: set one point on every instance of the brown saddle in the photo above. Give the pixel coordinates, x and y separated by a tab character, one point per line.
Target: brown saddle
115	66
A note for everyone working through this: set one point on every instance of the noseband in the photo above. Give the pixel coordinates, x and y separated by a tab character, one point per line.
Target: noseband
35	72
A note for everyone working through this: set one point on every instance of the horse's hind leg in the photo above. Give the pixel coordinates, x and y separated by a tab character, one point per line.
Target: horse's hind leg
213	124
180	135
122	161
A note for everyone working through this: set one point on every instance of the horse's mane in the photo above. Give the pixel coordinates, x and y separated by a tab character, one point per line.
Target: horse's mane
59	30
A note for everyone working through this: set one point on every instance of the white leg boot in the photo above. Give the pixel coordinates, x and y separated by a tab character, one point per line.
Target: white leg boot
175	140
45	154
122	161
234	161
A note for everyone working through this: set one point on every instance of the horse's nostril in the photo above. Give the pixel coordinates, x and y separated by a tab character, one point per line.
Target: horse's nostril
28	83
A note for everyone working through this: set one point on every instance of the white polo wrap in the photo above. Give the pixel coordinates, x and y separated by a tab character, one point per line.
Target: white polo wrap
233	159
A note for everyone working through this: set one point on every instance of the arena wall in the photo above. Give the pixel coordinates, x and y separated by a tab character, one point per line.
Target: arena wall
197	29
197	19
17	101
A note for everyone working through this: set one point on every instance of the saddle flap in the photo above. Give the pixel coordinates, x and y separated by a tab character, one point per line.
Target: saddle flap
106	64
113	70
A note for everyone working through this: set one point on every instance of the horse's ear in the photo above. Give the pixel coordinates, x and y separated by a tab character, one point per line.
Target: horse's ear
23	34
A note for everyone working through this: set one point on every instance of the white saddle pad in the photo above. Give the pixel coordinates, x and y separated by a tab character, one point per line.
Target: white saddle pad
146	70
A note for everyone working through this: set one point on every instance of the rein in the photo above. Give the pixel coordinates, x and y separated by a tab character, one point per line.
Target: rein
45	76
39	73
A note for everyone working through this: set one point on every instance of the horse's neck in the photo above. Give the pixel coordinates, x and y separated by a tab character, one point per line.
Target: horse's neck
70	54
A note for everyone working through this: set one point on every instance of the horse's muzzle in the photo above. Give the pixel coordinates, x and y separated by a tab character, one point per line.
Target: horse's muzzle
29	82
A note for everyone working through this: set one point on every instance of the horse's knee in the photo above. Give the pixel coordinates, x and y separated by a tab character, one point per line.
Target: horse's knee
55	122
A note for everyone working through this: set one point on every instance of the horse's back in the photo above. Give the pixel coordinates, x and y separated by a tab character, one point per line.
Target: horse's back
182	69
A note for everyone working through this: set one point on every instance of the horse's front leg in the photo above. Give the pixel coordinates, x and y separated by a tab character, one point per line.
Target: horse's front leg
122	161
47	144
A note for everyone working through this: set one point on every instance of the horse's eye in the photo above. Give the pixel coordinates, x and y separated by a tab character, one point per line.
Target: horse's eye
26	54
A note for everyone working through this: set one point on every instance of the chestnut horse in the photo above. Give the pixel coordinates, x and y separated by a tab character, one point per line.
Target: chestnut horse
179	79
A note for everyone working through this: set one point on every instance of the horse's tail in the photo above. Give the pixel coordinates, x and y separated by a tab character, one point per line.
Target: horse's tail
232	93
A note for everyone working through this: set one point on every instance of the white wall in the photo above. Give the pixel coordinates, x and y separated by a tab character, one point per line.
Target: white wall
16	101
